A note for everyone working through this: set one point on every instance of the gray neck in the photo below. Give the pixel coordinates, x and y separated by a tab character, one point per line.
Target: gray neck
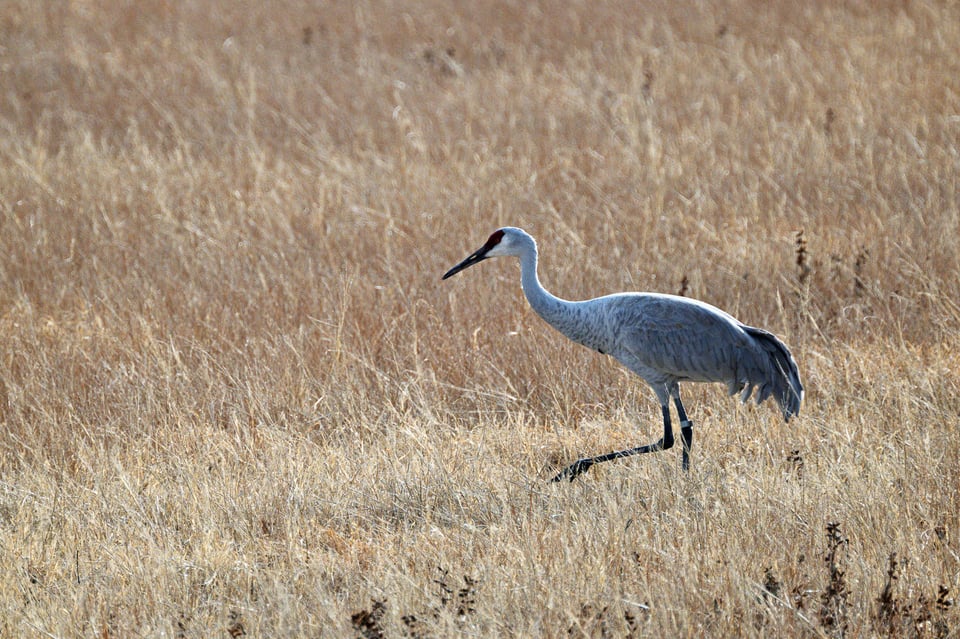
564	316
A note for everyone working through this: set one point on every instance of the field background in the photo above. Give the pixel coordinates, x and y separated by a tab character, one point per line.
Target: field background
236	398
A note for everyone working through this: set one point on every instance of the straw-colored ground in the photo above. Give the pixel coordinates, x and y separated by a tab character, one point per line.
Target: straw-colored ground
236	398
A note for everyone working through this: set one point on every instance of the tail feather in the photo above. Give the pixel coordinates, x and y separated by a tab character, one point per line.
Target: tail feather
784	382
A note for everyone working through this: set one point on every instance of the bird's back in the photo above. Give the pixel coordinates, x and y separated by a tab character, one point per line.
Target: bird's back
668	339
676	337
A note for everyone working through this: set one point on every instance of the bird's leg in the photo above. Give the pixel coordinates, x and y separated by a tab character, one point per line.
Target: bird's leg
583	465
686	431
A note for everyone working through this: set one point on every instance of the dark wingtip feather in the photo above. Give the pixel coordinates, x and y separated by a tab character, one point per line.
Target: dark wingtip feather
787	388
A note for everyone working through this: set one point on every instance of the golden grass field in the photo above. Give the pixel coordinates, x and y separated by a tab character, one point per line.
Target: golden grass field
237	399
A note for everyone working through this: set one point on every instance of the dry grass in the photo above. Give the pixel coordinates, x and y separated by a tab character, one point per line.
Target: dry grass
236	398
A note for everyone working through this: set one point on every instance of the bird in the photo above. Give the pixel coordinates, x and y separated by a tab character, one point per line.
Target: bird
664	339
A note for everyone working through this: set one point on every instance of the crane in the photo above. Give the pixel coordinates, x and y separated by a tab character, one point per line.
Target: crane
665	339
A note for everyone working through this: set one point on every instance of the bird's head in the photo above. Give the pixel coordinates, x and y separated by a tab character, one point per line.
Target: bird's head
505	241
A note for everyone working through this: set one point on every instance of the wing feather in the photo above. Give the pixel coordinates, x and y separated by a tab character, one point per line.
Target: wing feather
667	339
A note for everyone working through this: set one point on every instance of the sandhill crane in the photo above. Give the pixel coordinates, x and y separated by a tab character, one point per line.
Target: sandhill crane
665	339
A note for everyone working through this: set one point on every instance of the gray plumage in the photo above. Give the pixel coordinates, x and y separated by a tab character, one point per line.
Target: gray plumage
665	339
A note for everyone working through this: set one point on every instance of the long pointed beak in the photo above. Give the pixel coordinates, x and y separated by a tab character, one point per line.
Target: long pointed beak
477	256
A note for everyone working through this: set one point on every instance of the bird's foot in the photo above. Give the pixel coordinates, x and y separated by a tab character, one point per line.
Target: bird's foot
575	469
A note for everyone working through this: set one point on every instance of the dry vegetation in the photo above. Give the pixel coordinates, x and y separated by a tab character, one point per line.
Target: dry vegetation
235	397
